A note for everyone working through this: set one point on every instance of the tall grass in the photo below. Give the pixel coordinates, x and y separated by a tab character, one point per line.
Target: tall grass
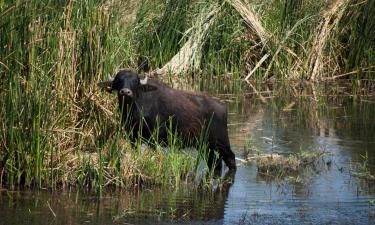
56	128
304	39
159	30
52	52
357	32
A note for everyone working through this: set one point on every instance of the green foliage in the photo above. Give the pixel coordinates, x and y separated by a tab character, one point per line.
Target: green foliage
51	52
159	31
56	129
225	50
362	170
357	32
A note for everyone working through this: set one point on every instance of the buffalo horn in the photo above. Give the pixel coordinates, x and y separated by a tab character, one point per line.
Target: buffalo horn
107	85
144	81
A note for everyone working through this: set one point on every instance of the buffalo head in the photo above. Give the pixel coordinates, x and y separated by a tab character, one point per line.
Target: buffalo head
127	84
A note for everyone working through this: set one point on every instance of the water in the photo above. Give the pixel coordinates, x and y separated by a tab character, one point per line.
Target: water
281	120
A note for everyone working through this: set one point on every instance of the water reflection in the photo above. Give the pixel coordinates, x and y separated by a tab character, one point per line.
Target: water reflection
342	126
140	206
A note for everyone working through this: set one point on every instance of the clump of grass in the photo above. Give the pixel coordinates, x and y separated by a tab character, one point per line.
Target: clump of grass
277	165
362	170
123	166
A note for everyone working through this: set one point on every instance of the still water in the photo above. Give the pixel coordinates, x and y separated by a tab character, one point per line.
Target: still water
263	118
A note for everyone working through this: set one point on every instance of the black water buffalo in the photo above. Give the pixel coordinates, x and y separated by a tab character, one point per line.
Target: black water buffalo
149	104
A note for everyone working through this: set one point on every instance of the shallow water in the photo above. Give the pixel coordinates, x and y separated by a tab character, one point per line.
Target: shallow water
274	120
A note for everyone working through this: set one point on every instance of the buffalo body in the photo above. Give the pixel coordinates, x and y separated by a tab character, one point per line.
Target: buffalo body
150	106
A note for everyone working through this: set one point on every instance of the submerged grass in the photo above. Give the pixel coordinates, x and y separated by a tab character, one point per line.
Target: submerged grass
362	170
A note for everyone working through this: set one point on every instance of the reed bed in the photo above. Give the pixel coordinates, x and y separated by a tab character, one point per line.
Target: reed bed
57	129
300	39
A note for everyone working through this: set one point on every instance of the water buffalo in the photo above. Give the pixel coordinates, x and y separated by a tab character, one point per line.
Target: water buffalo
149	104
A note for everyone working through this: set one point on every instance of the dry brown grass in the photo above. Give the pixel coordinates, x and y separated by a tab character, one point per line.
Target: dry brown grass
317	59
277	165
251	19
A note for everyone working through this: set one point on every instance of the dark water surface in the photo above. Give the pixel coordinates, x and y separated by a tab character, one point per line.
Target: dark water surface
283	120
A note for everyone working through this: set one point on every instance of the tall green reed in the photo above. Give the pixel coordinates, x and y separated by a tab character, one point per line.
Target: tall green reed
356	37
51	55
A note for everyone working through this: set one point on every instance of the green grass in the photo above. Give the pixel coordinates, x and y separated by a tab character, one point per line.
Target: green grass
362	170
57	128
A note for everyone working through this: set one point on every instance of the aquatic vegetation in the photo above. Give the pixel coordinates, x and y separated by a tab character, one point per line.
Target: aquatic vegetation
284	165
362	170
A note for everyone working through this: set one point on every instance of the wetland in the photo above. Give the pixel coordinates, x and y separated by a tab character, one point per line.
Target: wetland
342	126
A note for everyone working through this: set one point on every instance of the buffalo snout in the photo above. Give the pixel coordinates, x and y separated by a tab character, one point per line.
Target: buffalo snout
126	92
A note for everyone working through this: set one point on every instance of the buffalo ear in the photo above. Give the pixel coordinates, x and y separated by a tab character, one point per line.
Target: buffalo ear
148	87
106	85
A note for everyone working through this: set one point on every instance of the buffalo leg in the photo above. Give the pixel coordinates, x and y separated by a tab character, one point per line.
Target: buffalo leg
214	162
228	156
225	153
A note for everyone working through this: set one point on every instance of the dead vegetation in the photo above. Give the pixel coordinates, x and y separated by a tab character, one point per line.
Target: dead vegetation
280	165
317	59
